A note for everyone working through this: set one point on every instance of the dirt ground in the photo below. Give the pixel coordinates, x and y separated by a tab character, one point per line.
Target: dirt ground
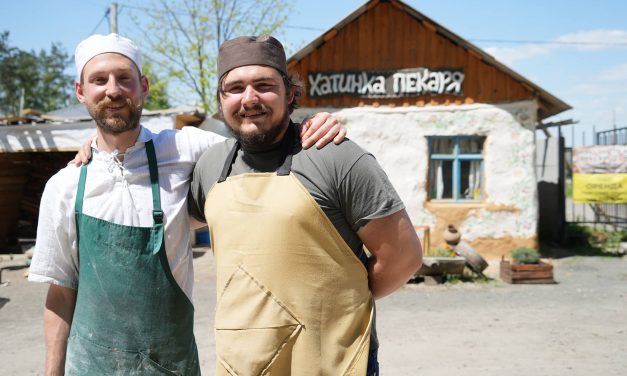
575	327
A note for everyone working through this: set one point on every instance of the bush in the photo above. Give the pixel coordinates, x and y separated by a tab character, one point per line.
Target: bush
524	255
602	239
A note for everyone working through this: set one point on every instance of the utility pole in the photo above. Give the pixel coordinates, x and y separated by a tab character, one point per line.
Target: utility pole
114	17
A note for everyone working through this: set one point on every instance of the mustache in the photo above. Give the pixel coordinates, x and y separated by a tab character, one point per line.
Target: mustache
107	102
257	107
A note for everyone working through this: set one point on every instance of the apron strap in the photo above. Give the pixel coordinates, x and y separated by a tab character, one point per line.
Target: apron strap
157	213
78	203
80	192
230	159
286	153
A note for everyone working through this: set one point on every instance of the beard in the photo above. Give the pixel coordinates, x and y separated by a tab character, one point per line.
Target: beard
117	122
260	139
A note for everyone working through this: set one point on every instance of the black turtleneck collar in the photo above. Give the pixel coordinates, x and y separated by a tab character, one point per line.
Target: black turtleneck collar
268	158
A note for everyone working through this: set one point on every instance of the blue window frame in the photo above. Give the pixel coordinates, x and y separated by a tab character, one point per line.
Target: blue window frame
456	168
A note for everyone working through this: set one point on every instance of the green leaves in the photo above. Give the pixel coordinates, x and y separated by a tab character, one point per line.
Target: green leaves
158	95
525	255
38	76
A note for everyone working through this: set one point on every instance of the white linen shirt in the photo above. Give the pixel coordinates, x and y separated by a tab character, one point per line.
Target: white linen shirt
121	194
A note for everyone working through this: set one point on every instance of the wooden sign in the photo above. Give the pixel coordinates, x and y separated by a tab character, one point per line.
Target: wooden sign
386	84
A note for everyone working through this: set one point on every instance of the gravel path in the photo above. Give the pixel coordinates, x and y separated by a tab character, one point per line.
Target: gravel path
575	327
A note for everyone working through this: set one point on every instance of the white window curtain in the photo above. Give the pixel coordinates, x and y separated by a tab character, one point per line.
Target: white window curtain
474	181
439	180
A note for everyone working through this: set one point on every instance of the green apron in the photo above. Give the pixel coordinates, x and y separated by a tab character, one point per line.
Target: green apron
131	316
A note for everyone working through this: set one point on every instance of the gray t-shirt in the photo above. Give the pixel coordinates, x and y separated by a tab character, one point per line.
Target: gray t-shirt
346	181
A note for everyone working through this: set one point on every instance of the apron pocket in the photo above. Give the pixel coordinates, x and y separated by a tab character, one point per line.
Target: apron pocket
85	357
252	326
153	368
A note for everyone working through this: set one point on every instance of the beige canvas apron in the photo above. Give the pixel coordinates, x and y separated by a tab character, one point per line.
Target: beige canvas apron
293	299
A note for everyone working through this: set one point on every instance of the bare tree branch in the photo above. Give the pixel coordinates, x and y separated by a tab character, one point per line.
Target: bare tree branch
184	37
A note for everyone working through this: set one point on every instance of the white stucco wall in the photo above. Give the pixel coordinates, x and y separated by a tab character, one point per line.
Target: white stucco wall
396	136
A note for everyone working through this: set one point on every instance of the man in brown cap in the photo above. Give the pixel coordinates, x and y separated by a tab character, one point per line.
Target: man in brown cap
288	226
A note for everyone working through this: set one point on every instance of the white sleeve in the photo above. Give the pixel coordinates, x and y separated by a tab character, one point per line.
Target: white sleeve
55	259
195	142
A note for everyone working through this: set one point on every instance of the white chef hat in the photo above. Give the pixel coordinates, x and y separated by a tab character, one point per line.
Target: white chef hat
99	44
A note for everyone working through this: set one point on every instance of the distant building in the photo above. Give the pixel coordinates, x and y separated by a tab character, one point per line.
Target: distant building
452	127
32	152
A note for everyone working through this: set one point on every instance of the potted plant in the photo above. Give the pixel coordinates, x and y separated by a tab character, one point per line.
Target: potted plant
526	267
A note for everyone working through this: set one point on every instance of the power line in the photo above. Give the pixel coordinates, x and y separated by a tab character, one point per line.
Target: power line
575	43
152	9
124	5
300	27
503	41
304	28
99	22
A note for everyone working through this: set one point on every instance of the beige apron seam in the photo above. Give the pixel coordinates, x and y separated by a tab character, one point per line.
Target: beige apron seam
285	342
270	294
362	345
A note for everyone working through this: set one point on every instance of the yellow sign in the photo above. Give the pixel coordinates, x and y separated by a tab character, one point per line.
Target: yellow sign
600	188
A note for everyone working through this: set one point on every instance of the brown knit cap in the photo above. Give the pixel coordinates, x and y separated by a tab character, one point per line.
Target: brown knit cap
251	50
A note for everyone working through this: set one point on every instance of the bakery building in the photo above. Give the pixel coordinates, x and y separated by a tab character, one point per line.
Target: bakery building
453	128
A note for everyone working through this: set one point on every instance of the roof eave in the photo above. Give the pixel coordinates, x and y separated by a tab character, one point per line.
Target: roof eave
550	105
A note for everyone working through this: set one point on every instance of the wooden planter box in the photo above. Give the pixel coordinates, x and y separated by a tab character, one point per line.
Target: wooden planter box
541	272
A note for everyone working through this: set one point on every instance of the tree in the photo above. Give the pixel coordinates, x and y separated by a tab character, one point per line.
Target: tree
183	38
54	88
37	77
158	95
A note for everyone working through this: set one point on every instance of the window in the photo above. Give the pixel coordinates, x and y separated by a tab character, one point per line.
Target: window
456	168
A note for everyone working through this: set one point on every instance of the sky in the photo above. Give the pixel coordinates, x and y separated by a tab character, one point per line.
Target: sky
575	49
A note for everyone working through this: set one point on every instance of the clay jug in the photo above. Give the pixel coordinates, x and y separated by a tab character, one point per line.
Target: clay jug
451	235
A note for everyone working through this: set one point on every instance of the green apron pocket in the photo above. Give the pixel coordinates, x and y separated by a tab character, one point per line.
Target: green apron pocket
151	367
85	357
252	326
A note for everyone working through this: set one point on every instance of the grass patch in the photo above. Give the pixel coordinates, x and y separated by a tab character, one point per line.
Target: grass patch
569	188
468	276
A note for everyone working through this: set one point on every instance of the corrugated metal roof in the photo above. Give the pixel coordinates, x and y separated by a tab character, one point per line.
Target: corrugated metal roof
75	112
78	112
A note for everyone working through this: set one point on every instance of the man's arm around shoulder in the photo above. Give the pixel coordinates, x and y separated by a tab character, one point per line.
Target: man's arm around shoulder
396	252
58	314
